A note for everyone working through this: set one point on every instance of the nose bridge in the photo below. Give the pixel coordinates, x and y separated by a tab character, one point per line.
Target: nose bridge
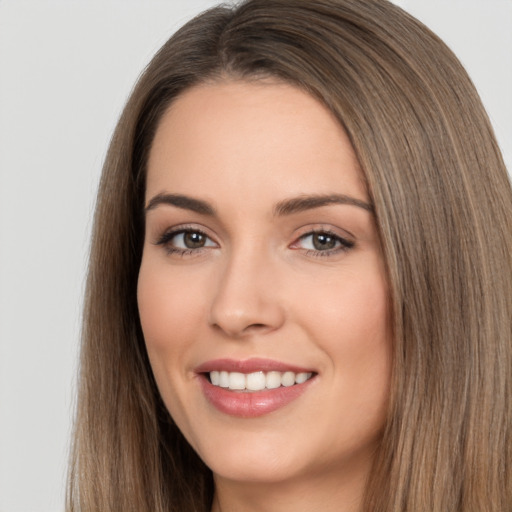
245	299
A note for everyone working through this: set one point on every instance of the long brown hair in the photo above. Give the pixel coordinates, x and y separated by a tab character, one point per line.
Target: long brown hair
443	207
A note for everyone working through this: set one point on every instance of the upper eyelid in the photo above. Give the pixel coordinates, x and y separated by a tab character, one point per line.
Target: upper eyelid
341	238
181	228
163	238
325	228
322	231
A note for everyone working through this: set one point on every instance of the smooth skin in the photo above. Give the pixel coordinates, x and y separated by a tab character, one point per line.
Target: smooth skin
240	278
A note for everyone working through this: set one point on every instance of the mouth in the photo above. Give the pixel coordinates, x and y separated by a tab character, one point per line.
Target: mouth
256	381
253	387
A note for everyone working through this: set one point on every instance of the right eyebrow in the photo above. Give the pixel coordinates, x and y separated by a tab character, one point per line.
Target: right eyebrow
181	201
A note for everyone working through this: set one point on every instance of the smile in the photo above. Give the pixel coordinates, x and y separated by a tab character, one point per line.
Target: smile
253	387
257	381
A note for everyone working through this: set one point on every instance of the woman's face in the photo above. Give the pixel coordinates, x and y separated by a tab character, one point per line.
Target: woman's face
262	290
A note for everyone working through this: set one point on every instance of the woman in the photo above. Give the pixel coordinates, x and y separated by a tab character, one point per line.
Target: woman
300	283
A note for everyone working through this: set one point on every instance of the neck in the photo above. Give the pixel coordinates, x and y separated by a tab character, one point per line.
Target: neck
329	493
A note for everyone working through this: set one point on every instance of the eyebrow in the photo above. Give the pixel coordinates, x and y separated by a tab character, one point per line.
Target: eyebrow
302	203
282	208
181	201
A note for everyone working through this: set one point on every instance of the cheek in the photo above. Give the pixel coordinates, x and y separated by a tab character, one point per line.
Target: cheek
168	313
166	306
350	322
351	313
169	310
368	347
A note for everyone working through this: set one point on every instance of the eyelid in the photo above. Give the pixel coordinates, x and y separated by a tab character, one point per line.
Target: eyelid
344	243
180	228
310	228
165	237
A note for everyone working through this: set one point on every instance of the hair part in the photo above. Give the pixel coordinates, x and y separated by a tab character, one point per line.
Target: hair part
443	208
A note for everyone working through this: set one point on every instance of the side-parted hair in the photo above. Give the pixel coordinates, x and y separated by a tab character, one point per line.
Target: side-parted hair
443	209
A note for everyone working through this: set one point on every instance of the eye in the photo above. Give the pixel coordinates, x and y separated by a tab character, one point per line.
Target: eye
185	241
325	242
191	240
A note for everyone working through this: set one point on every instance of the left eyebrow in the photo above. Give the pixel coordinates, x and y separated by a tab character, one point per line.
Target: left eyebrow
302	203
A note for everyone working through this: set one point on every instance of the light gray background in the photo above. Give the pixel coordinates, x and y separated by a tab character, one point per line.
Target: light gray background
66	68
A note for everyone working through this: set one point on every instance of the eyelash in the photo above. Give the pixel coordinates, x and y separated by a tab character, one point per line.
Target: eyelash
167	237
165	240
343	244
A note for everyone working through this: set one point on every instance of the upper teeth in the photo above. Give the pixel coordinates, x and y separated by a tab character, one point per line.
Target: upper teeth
258	380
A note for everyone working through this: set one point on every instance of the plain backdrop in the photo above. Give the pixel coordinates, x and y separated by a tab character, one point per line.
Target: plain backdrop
66	69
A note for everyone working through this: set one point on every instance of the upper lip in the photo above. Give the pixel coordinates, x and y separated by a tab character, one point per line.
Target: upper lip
249	366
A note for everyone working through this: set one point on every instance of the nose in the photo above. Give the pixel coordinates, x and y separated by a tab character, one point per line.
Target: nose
246	300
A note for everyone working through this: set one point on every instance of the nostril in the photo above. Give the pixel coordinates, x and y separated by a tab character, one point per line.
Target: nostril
256	327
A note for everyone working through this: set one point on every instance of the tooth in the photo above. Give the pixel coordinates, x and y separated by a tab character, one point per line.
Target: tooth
288	379
273	380
301	377
224	380
256	381
236	380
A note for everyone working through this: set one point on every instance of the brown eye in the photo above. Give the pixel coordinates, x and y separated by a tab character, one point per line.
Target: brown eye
185	240
324	241
194	239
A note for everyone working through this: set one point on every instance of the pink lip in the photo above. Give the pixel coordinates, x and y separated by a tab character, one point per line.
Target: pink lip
249	365
250	404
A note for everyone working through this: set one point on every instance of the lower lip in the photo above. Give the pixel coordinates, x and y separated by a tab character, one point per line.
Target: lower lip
251	404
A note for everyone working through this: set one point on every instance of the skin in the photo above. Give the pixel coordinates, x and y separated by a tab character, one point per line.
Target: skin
259	287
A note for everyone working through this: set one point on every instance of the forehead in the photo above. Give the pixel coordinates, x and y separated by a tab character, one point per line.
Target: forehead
251	136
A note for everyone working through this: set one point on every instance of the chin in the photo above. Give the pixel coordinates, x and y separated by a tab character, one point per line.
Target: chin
255	468
252	457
